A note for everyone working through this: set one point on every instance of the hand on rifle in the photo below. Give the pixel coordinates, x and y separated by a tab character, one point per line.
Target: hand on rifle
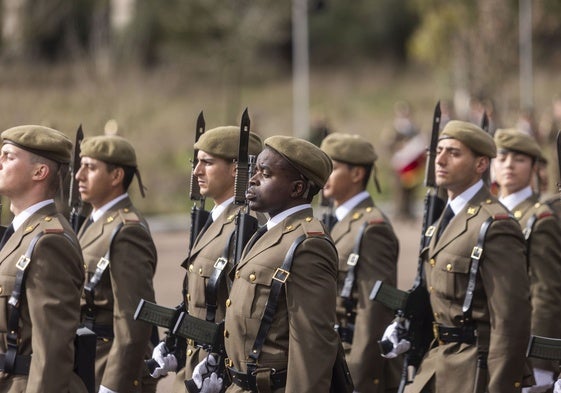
205	377
557	386
166	361
394	334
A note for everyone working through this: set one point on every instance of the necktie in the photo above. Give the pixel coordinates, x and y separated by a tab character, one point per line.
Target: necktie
7	233
208	223
88	222
256	236
447	215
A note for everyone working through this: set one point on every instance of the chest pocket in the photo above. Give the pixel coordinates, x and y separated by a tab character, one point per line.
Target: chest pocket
6	288
257	280
449	274
199	273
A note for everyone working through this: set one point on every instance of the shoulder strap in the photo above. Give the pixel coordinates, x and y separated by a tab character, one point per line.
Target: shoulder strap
211	288
14	303
89	288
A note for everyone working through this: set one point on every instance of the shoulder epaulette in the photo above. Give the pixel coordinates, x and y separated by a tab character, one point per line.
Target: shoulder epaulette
544	215
502	216
51	225
312	234
376	221
128	216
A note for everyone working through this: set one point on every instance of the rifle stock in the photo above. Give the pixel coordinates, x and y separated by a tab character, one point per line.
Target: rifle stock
199	215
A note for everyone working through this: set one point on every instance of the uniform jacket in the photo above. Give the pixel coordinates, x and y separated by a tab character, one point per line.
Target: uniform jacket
555	204
302	339
544	268
378	261
50	304
207	248
501	303
119	361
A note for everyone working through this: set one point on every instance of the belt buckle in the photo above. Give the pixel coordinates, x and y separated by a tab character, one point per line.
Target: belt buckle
281	275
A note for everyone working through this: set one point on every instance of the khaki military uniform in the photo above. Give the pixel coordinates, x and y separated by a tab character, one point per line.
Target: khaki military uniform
501	306
544	267
120	359
301	340
555	204
378	261
50	304
208	247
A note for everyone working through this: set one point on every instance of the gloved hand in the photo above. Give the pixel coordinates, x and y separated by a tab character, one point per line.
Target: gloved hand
544	380
392	333
212	383
557	386
103	389
166	361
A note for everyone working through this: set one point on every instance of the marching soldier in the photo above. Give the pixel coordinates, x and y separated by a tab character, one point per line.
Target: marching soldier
120	259
215	172
41	267
475	270
280	316
518	155
368	250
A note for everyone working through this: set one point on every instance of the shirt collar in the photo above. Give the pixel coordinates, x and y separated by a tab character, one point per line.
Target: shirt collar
24	215
217	210
344	209
457	204
513	200
282	215
101	211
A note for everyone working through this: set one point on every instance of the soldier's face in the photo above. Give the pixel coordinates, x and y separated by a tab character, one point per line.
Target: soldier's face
96	183
513	171
275	186
344	182
16	171
215	177
457	167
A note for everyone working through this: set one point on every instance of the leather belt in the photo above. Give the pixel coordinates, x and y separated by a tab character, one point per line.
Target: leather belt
21	364
248	381
445	334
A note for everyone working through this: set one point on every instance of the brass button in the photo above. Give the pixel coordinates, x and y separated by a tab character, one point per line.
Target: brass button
191	268
432	262
190	342
188	297
126	209
48	219
289	227
189	352
376	381
105	340
85	267
430	289
449	267
356	216
1	290
368	210
252	277
226	334
200	271
228	302
308	219
237	274
135	382
436	315
517	384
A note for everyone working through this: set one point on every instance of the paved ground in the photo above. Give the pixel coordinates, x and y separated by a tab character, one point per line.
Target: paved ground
171	237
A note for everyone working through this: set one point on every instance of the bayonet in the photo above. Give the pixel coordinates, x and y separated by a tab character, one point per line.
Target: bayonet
485	127
74	200
559	157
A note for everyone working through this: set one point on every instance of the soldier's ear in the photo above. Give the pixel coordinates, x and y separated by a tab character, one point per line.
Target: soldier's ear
298	188
117	175
481	164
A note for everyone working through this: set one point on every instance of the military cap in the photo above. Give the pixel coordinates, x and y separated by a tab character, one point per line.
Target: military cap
350	149
224	142
472	136
40	140
515	140
111	149
306	157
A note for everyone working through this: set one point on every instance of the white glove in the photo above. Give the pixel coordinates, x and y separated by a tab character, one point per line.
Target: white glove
212	384
166	361
103	389
208	364
392	334
557	386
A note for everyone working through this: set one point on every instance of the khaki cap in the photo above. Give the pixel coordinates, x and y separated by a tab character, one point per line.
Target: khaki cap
515	140
306	157
224	142
472	136
111	149
350	149
40	140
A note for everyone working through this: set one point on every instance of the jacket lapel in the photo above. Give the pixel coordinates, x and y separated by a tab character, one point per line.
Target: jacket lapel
215	229
344	227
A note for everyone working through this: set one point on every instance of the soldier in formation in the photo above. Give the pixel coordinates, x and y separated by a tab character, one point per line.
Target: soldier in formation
120	259
368	250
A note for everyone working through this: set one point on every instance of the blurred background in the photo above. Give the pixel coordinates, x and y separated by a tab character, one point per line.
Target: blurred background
146	68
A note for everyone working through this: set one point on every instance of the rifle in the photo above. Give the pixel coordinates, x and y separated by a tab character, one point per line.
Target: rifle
559	158
75	203
328	218
167	318
414	306
485	127
199	215
246	225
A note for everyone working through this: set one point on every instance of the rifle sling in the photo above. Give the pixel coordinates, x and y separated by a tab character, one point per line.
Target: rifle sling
279	278
352	261
89	288
11	362
213	284
527	234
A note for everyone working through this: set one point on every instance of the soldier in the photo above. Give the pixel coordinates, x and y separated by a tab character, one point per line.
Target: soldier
38	323
362	232
280	317
475	270
120	259
516	163
215	172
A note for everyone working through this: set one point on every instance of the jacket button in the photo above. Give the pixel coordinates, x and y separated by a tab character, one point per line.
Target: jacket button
188	297
189	352
517	384
449	267
226	334
237	274
228	302
430	289
376	381
135	382
1	290
252	277
200	271
191	268
436	315
432	262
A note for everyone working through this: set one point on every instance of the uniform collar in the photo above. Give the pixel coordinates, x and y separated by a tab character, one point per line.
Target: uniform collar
217	210
349	205
282	215
24	215
101	211
513	200
457	204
